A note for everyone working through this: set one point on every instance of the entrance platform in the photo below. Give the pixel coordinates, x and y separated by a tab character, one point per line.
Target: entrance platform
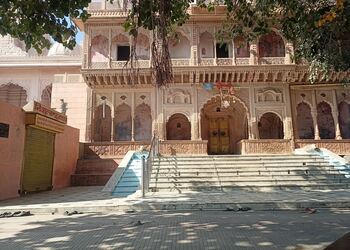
93	200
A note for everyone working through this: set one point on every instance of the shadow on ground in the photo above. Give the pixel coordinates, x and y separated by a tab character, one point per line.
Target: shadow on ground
174	230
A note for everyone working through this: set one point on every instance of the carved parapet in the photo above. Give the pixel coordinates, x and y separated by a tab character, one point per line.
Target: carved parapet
175	147
266	146
111	149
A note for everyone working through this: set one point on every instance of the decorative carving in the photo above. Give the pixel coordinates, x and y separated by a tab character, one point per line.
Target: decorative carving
269	95
178	96
265	147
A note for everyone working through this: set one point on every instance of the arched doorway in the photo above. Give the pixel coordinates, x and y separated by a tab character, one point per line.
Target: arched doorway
102	123
270	126
178	127
143	123
123	123
305	123
344	119
223	127
325	121
13	94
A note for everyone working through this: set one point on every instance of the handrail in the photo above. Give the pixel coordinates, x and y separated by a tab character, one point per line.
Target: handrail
147	164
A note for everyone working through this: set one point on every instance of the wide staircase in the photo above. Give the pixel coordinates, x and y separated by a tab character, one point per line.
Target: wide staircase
263	172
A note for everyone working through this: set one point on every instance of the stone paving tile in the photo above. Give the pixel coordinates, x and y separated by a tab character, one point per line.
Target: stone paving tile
93	196
282	230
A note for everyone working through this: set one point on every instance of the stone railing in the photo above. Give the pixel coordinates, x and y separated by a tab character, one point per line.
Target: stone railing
117	5
187	62
266	146
224	61
99	65
242	61
206	61
180	62
340	147
272	60
175	147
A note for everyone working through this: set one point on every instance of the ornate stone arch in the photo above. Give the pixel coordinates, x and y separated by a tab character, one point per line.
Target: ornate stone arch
304	120
266	49
325	120
99	49
14	94
46	95
170	114
143	122
178	127
231	98
270	126
122	123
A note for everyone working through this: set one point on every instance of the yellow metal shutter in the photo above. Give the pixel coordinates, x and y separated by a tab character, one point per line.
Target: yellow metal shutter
38	160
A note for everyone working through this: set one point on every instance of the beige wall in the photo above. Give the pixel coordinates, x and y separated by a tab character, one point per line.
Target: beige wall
11	150
66	156
74	92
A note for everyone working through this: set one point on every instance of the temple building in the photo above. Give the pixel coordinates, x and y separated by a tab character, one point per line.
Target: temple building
226	98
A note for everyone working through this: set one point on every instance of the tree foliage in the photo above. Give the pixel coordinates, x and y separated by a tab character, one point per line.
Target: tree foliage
32	20
319	29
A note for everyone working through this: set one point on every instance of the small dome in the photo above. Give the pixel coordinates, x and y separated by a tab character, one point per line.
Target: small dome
58	49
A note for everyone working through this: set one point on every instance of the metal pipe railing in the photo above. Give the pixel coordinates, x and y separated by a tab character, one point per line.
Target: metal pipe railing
147	164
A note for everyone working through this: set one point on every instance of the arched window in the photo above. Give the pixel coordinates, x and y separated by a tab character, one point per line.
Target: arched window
102	123
143	47
120	48
242	47
46	96
305	122
344	119
325	121
143	123
178	128
206	45
271	45
179	47
13	94
99	49
270	126
122	123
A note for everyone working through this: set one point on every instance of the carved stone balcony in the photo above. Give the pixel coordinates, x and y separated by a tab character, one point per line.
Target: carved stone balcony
272	60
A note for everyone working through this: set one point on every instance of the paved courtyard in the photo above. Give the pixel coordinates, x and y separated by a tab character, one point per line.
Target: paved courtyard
283	230
92	199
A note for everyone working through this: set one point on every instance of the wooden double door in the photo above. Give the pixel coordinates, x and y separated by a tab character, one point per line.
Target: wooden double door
219	135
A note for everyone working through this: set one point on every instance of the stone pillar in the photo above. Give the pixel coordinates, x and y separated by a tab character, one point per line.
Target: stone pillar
289	53
314	118
253	54
133	116
289	121
195	135
109	48
336	125
194	46
335	114
233	53
113	114
314	115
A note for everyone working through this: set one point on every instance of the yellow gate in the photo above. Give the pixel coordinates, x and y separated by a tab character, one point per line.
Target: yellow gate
38	160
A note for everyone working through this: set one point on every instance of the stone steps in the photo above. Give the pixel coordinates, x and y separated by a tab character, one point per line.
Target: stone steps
93	172
260	172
